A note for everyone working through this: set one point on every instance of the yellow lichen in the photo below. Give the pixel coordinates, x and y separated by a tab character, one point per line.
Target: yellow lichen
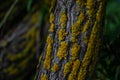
91	51
73	39
49	39
62	50
11	70
40	58
80	2
35	17
30	45
48	53
67	68
52	27
55	67
44	77
63	19
52	4
51	18
82	74
23	63
75	50
61	34
90	5
47	60
86	26
31	33
75	67
4	43
85	39
93	45
48	57
99	14
14	57
77	27
81	17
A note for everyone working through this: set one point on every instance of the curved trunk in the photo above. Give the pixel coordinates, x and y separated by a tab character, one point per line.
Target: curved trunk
18	49
73	42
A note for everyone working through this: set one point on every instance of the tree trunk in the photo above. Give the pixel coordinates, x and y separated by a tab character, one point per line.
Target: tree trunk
18	49
73	42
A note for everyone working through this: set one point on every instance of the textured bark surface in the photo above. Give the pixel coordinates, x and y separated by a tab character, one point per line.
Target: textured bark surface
73	41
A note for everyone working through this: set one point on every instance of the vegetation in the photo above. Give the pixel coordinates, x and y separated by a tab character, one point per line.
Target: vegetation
24	25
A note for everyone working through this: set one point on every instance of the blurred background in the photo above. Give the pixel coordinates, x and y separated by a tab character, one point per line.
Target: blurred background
109	63
23	30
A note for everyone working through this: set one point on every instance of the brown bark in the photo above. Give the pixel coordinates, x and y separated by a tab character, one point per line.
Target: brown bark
73	42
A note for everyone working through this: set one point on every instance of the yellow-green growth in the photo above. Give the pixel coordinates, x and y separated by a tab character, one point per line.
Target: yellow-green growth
52	4
4	43
44	77
63	22
63	19
17	56
85	39
61	34
77	27
14	57
91	51
80	2
55	67
48	57
52	25
86	26
11	70
23	64
67	68
93	45
75	67
99	13
90	5
79	5
40	58
62	50
31	33
35	17
75	50
51	17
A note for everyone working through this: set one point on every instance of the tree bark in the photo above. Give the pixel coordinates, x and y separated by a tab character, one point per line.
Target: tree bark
73	42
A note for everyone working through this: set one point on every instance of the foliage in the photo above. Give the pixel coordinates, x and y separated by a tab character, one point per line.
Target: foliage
109	63
112	25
